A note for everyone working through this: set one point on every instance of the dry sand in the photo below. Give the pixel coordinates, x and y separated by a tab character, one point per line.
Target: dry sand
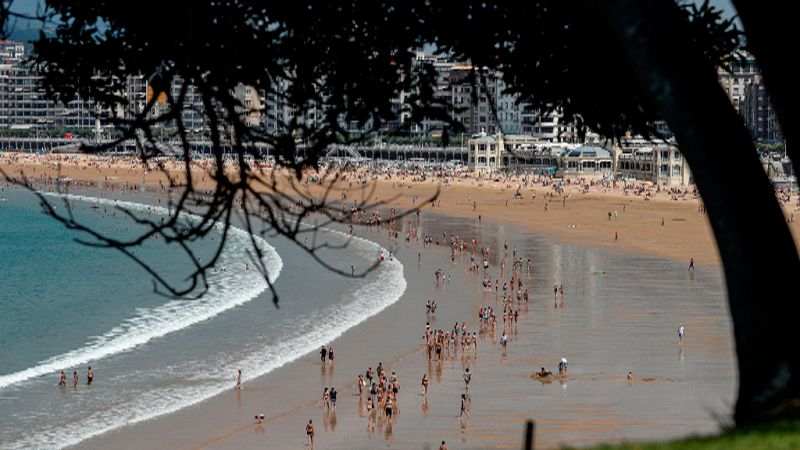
581	219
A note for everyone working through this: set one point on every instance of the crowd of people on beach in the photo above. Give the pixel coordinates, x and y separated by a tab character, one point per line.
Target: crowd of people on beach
504	272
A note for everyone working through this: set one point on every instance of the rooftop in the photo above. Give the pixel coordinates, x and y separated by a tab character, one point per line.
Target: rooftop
588	152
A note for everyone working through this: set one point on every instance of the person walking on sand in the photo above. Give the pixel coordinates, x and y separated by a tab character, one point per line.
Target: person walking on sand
361	383
425	384
691	264
681	333
239	380
463	406
326	399
467	378
323	354
330	354
310	433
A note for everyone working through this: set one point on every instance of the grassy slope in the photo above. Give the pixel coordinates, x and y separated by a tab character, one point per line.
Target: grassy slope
778	436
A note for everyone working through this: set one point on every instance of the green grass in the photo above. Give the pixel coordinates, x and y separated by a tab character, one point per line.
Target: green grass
777	436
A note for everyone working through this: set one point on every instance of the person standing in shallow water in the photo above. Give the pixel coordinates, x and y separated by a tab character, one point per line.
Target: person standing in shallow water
89	376
75	379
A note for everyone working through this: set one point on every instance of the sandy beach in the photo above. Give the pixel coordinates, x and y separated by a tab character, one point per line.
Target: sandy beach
578	216
636	282
595	403
663	224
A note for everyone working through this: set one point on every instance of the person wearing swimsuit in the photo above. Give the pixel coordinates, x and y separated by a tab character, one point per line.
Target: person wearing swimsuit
310	433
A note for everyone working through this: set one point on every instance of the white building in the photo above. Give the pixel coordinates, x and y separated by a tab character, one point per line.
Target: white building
662	165
588	160
490	152
735	81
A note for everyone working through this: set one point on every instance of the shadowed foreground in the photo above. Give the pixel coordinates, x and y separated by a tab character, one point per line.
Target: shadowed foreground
779	435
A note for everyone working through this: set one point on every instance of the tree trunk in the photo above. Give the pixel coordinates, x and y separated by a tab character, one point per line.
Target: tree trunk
759	256
769	37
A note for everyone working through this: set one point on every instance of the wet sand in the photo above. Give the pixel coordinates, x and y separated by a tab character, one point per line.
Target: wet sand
612	323
609	324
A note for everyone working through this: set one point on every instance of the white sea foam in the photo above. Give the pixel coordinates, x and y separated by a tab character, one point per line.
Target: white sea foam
315	330
226	290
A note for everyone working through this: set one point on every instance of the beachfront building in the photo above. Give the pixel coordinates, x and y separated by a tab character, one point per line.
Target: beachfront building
546	125
661	164
491	152
477	99
737	76
758	115
24	104
587	160
484	153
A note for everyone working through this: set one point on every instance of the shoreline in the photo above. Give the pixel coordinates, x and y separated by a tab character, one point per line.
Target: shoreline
644	221
234	426
225	421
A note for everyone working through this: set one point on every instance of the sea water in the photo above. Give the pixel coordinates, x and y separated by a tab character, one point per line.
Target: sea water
67	306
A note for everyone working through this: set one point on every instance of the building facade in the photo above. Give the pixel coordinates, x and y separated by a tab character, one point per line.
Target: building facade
492	152
758	115
741	74
661	164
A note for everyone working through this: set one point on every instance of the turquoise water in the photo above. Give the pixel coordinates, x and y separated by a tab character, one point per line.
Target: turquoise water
57	292
66	306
